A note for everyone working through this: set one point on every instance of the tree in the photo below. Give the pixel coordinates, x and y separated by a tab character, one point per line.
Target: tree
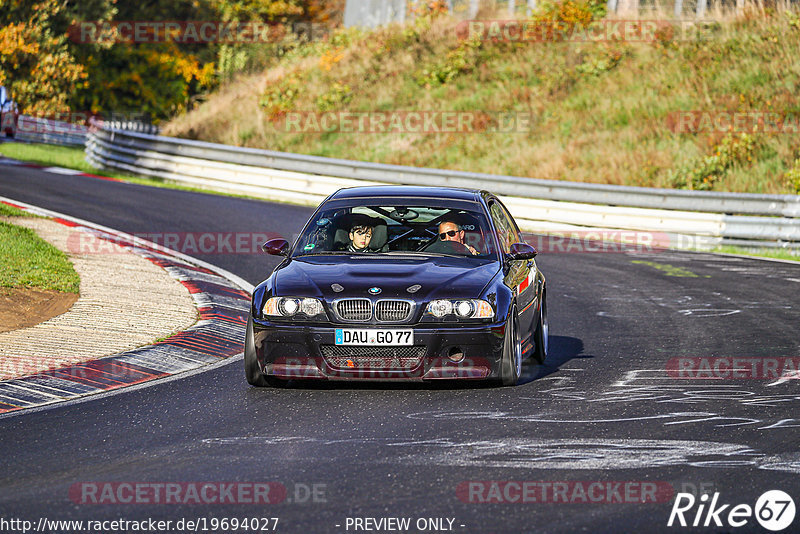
142	80
155	79
36	64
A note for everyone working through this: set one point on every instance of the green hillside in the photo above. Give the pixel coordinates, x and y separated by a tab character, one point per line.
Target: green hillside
601	112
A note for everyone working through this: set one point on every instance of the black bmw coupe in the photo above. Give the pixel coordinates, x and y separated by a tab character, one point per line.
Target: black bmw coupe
399	283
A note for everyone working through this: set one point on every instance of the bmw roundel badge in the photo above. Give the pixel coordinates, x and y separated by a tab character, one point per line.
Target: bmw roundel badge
374	290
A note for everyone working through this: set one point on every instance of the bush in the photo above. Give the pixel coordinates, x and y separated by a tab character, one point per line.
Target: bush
733	150
281	95
461	59
602	60
337	95
793	176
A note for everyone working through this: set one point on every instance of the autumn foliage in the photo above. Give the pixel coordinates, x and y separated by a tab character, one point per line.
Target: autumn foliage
36	63
47	72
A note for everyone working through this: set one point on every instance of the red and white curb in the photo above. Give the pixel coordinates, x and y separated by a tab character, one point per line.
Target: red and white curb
223	303
55	170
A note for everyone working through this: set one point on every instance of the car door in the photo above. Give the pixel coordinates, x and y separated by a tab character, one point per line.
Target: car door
520	275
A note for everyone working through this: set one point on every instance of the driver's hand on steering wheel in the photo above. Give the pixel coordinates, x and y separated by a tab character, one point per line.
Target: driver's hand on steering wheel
471	249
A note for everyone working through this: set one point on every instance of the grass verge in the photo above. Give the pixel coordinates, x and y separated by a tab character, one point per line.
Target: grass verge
761	253
10	211
54	156
48	155
30	262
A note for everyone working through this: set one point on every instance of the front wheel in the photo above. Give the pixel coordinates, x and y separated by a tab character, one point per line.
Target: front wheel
542	335
511	365
252	371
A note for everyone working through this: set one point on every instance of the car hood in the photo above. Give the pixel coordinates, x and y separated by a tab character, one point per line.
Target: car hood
439	277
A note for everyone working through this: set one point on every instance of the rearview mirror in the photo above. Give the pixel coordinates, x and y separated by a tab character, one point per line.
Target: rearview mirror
276	247
522	251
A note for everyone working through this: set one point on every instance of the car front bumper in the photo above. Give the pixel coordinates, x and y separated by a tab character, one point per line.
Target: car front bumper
309	352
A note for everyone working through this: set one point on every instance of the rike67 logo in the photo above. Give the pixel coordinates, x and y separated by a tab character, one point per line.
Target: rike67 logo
774	510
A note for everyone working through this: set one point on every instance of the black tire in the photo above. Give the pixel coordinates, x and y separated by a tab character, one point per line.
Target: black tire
251	369
511	366
542	335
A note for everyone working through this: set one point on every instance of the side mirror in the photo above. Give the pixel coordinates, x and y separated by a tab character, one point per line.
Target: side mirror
276	247
522	251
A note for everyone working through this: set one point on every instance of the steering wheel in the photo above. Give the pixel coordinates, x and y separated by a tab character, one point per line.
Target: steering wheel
450	247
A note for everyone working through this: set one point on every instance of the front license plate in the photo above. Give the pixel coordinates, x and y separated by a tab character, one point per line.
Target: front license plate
358	336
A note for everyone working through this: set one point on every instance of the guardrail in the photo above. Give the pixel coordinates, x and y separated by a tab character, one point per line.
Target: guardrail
705	218
130	126
55	132
50	131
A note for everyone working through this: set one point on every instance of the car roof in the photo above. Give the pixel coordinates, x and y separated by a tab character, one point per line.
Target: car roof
411	191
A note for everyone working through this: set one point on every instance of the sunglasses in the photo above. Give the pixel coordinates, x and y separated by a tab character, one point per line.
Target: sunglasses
450	233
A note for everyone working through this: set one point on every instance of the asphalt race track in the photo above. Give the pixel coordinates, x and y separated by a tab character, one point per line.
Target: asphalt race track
603	409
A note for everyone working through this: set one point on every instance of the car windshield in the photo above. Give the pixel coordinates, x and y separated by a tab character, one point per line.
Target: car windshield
439	228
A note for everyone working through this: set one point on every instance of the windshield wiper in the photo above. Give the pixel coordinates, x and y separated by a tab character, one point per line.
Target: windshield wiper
324	253
437	254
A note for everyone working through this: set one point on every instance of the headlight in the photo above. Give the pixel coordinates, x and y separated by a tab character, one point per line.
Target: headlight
463	309
288	307
293	307
440	308
311	307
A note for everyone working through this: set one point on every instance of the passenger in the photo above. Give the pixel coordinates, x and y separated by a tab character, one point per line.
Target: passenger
360	237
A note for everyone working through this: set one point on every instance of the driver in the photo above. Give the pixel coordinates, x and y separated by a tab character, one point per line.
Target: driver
451	231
